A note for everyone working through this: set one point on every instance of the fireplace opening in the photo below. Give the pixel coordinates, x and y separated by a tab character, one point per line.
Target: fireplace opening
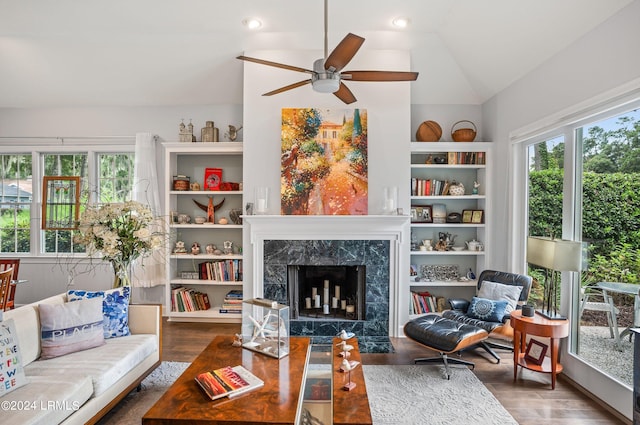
327	292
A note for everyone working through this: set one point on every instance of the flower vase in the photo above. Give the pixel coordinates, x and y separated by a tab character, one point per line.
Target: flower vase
122	274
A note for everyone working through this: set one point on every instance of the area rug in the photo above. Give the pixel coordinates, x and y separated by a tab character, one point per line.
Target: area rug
418	394
397	395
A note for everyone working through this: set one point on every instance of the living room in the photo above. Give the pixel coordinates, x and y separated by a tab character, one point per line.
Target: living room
552	90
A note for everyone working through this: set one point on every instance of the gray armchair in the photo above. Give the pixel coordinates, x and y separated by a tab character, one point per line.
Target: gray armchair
497	330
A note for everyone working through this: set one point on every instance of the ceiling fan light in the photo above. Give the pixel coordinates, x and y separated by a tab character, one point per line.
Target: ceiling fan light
400	22
252	23
326	85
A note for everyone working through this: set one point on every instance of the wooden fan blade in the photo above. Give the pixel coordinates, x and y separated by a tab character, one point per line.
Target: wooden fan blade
289	87
343	53
344	94
379	75
275	64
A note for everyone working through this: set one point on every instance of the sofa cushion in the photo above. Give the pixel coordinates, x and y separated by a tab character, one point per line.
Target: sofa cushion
500	291
11	372
115	308
70	327
50	399
485	309
105	364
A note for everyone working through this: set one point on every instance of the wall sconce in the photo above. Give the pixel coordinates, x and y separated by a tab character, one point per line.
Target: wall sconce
555	256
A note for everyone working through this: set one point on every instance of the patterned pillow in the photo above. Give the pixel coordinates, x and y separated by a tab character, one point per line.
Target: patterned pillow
487	310
115	308
501	291
70	327
11	372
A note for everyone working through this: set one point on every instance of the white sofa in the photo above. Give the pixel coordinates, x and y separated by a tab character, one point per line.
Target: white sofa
80	387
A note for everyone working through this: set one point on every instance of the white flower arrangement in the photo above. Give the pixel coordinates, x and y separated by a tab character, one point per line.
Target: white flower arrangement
119	232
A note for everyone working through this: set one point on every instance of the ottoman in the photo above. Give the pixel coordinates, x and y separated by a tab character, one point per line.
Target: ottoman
445	336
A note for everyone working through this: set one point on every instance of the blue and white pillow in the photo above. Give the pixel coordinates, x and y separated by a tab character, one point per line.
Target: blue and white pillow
487	310
115	309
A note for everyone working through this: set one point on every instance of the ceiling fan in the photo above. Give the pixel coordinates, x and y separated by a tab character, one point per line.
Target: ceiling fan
327	74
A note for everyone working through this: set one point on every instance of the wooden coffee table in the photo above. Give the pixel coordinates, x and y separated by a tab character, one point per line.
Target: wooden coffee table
275	403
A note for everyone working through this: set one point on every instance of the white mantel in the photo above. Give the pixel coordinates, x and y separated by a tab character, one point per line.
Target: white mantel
394	228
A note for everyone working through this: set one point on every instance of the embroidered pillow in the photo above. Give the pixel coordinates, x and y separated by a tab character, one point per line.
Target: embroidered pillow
11	372
70	327
500	291
115	308
487	310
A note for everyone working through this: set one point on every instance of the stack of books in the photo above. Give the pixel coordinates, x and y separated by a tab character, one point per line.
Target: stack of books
184	299
232	302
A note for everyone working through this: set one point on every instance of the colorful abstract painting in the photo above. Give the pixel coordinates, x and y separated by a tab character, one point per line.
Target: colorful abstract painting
324	162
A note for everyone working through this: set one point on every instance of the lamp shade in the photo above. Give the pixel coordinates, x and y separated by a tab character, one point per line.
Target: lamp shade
554	254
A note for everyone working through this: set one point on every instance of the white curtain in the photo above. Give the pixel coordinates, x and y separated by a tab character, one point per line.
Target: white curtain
149	271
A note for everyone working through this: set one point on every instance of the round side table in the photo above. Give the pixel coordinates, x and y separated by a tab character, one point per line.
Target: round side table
538	326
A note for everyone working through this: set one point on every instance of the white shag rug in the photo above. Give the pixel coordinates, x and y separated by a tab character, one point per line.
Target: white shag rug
403	395
418	394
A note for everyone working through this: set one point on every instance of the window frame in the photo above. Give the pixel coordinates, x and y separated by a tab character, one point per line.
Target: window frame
59	146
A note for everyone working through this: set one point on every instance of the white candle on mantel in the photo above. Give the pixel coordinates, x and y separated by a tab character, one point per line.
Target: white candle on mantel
307	302
334	302
343	304
314	292
337	291
317	300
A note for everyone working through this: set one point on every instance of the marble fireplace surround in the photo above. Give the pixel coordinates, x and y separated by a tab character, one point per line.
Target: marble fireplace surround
373	241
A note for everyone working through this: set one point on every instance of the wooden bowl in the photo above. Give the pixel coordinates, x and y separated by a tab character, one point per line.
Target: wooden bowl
429	131
463	134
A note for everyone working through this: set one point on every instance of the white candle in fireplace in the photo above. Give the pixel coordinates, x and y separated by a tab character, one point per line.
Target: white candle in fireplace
343	304
326	296
334	302
314	292
325	309
326	284
317	301
351	308
307	302
337	294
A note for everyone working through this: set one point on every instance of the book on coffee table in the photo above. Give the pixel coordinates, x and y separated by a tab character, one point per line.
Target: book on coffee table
228	382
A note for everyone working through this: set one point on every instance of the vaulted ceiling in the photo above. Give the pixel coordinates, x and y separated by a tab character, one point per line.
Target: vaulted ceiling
70	53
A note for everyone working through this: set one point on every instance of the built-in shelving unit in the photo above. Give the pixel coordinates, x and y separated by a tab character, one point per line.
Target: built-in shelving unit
191	159
448	162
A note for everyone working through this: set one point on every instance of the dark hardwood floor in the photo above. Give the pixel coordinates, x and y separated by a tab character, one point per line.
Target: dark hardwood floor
530	399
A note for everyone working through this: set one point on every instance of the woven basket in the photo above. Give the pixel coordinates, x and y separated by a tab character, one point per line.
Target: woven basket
429	131
463	134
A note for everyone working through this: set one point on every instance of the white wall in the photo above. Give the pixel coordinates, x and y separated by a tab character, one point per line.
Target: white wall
598	63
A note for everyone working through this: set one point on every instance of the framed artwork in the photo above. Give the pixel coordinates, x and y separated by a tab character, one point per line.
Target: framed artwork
427	214
535	351
414	214
60	202
466	216
477	216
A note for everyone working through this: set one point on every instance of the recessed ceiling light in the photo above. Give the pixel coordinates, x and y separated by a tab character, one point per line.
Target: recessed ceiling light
252	23
400	22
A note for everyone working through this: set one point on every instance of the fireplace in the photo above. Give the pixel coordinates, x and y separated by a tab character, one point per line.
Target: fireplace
372	244
327	292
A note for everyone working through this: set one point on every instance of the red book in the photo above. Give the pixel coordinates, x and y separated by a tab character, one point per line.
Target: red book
212	178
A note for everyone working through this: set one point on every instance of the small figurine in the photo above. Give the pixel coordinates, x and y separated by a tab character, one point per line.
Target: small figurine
195	186
179	249
223	221
210	248
476	185
237	341
195	248
441	245
228	247
232	134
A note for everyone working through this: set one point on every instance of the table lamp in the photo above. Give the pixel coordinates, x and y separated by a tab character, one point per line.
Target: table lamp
555	256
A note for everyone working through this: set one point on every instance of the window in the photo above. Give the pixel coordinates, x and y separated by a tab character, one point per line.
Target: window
15	203
105	177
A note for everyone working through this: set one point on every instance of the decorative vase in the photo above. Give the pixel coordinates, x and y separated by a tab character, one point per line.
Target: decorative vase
122	272
456	189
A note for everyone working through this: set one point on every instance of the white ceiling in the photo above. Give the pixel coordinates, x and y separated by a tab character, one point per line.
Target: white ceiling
69	53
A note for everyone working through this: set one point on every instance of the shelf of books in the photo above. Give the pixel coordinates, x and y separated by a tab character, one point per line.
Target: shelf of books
451	201
203	203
